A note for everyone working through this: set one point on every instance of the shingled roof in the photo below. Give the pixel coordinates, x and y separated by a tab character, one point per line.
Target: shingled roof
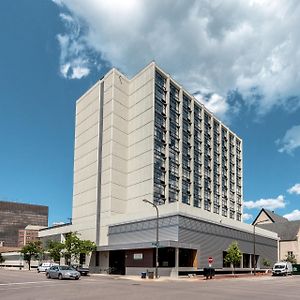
272	216
287	231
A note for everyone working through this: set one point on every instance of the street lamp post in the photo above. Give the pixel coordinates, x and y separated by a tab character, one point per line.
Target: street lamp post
254	245
156	252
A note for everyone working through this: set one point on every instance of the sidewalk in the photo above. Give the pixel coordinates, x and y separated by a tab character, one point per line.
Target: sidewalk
186	278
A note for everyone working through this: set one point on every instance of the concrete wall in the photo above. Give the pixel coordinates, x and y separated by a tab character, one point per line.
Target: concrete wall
86	163
114	150
141	130
287	246
209	238
15	260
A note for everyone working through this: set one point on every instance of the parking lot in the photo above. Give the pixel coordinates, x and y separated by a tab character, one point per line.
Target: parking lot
31	285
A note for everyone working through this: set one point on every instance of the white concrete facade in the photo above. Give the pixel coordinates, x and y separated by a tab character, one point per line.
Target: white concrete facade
114	158
126	159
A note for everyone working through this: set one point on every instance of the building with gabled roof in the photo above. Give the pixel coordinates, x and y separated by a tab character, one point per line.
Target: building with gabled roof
268	216
288	232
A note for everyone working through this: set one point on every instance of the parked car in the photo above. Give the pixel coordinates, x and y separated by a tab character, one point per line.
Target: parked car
62	272
43	267
282	268
81	269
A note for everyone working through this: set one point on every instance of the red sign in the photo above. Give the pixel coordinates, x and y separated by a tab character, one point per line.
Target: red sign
210	260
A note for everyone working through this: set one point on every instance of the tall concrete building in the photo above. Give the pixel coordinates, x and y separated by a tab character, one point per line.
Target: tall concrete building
16	216
148	138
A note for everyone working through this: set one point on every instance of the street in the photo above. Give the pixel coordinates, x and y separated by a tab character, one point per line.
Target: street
31	285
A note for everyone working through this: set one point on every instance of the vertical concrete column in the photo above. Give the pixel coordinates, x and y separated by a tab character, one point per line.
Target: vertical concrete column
278	250
180	141
192	151
167	137
202	156
176	262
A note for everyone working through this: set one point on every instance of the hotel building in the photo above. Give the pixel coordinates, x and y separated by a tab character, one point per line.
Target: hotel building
149	138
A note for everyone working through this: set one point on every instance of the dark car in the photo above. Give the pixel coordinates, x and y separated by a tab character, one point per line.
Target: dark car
62	272
82	270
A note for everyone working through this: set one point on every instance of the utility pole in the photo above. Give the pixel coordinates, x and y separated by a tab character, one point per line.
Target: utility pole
157	226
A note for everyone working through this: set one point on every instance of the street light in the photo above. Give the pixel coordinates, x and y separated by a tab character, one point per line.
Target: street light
156	253
254	245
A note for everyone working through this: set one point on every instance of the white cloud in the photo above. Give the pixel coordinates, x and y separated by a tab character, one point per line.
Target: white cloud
294	215
58	223
211	46
247	217
290	141
79	72
295	189
271	203
215	103
75	59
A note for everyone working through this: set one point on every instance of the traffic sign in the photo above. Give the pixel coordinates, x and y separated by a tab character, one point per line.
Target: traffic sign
210	260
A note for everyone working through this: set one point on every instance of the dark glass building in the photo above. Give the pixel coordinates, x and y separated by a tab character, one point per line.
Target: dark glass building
16	216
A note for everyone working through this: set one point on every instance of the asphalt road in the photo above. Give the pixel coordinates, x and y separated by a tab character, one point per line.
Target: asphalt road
15	285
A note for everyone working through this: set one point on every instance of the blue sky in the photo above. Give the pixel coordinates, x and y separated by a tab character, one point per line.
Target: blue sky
240	58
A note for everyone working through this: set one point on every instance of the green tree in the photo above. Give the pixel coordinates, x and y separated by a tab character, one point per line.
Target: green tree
291	258
55	248
73	246
2	259
32	250
233	255
266	263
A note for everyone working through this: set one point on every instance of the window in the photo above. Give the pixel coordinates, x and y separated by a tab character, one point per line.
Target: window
207	205
186	199
82	258
224	211
216	208
173	195
197	201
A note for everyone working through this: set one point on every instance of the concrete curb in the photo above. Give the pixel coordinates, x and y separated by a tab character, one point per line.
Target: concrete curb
184	278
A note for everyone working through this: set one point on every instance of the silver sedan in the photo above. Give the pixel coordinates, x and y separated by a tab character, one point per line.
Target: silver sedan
62	272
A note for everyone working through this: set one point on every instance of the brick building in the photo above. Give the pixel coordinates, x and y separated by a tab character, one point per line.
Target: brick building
16	216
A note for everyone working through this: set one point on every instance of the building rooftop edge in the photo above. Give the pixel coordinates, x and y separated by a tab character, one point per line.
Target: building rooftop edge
56	226
23	203
243	227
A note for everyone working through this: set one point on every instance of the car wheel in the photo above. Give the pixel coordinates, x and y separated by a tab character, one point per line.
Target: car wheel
48	275
38	270
60	277
76	278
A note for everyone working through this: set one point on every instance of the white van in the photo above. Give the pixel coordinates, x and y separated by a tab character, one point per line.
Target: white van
282	268
43	267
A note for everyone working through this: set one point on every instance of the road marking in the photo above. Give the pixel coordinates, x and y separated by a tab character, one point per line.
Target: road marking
20	283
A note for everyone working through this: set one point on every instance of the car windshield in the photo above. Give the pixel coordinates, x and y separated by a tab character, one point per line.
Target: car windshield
279	267
66	268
